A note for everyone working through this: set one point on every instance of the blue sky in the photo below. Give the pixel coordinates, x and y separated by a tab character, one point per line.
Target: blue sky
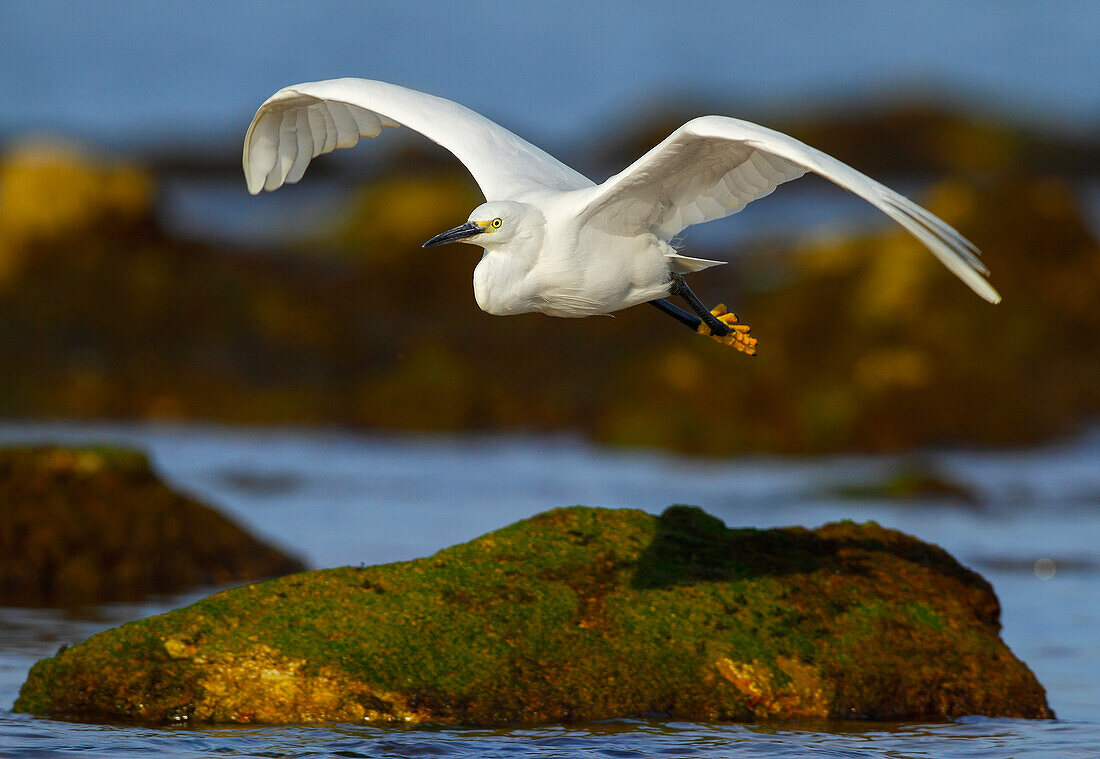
134	73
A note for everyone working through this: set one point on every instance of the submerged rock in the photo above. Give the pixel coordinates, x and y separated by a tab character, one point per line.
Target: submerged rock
87	525
911	480
574	614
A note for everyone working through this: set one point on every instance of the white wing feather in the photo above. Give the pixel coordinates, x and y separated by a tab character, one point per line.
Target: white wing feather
714	166
299	123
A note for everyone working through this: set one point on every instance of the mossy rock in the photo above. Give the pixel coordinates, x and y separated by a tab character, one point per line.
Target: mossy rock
87	525
574	614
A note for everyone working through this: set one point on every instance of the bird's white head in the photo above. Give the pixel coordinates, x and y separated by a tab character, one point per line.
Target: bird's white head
493	224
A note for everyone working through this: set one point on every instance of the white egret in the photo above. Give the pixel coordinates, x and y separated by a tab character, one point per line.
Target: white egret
554	241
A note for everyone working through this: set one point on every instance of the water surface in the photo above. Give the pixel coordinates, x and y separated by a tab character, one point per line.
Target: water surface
341	498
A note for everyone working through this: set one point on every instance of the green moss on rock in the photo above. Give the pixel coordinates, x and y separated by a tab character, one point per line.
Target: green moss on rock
86	525
573	614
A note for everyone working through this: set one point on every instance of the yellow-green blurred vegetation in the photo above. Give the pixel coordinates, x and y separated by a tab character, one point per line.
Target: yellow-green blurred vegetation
48	188
866	342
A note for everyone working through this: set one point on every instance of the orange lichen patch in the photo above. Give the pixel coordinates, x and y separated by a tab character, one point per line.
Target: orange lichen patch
260	685
179	647
738	336
802	696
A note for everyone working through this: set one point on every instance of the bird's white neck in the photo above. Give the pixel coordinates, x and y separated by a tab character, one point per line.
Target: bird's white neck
499	282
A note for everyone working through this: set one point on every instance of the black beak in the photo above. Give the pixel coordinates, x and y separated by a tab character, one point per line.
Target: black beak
469	229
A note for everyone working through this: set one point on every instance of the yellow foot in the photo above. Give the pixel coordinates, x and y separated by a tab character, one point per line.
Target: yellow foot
738	336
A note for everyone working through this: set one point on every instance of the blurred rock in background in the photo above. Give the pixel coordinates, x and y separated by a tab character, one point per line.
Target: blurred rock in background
866	343
83	526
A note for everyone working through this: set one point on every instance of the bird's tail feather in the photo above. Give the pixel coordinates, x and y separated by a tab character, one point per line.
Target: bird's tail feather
686	264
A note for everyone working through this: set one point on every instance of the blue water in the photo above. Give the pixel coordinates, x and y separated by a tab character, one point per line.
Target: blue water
339	498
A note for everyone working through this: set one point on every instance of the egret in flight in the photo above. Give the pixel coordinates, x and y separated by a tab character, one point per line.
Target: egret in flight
556	242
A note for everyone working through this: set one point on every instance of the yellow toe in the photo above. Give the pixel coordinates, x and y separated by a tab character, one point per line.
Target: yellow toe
738	337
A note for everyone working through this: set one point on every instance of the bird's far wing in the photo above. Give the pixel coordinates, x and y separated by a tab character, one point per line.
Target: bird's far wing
713	166
301	122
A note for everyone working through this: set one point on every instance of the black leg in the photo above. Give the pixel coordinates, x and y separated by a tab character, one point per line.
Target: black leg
680	288
677	313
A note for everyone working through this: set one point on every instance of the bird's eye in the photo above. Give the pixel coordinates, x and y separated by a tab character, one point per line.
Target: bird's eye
495	224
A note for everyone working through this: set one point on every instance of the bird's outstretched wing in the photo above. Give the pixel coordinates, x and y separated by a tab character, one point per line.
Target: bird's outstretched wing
298	123
713	166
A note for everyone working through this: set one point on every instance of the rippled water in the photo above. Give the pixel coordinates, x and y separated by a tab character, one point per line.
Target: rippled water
973	737
346	499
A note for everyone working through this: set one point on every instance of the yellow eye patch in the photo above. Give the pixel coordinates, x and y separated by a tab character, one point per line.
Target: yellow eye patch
495	223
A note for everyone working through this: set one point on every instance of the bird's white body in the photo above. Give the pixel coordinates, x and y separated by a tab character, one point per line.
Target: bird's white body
555	242
561	267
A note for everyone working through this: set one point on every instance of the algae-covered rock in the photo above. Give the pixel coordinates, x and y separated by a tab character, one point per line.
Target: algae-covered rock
87	525
574	614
